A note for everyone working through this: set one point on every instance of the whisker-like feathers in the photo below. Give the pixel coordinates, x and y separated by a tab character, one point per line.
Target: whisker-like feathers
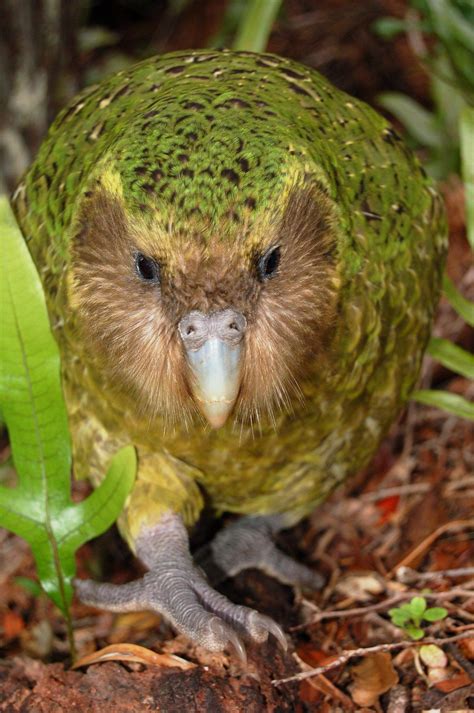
130	328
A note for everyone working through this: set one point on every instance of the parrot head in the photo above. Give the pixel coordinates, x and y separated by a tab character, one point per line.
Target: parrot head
198	300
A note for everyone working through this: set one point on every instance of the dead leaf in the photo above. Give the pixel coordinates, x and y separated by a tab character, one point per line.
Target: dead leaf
13	625
309	694
387	506
372	677
433	656
132	652
314	657
361	587
467	647
129	624
453	683
326	687
437	675
307	656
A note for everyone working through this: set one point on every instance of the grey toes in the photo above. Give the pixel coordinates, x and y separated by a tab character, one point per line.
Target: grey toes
191	606
247	622
289	571
248	544
113	597
175	588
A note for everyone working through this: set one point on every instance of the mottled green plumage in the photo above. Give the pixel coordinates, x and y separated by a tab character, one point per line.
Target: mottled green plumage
209	141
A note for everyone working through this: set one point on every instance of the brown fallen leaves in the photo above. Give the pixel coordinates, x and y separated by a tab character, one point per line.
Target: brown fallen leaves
373	676
131	652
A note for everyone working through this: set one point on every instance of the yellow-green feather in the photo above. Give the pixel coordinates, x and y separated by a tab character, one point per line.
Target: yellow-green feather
150	126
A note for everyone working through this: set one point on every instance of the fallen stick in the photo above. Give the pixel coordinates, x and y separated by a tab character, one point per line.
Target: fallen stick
353	653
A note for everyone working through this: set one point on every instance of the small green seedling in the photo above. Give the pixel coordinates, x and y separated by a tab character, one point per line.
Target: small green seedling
409	616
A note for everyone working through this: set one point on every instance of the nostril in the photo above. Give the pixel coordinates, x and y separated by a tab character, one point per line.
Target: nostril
193	329
230	325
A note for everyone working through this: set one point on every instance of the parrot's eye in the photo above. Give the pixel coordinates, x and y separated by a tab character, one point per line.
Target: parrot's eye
147	268
268	263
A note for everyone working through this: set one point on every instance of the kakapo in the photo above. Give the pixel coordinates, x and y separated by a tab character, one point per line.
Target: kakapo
241	265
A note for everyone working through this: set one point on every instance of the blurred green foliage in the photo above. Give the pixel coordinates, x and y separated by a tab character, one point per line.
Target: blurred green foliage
442	34
247	25
448	54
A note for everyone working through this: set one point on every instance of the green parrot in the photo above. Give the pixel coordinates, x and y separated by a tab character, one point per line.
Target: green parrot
241	265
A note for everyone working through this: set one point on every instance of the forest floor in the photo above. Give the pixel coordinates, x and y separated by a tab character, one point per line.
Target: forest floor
403	528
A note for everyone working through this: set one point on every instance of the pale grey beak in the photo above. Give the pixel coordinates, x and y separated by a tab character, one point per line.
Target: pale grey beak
213	345
216	370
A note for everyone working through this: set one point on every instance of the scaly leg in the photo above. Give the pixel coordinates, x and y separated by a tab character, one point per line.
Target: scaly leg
177	589
248	543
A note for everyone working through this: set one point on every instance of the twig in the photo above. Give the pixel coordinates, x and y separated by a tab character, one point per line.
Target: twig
462	627
420	549
462	613
459	484
467	665
354	653
408	489
325	686
394	632
407	575
383	606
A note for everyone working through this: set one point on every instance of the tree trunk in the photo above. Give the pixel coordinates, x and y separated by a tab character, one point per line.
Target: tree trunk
38	74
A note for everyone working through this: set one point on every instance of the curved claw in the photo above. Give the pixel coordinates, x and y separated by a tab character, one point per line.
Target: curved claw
263	624
226	634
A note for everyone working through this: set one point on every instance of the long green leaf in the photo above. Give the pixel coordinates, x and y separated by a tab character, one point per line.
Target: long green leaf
467	160
256	25
450	24
33	407
389	27
445	400
417	120
448	99
89	518
40	509
30	390
452	356
463	307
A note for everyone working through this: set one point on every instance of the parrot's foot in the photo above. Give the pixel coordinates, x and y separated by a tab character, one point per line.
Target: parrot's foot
248	543
177	589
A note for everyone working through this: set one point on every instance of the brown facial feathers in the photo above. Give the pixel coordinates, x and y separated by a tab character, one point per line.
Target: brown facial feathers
296	307
129	325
